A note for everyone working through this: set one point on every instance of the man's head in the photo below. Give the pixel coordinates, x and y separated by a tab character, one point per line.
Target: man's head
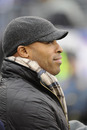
46	54
34	38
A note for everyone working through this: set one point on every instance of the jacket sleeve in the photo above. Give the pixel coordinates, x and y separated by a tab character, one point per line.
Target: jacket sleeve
34	115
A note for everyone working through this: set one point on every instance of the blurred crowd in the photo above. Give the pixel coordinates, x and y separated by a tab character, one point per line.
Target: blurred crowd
70	15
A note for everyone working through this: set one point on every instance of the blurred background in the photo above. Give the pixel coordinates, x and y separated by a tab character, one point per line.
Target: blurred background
69	15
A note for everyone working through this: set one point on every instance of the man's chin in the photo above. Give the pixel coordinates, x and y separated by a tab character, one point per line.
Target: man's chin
56	72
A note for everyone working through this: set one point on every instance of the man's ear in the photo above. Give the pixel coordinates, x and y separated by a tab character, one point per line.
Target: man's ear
22	51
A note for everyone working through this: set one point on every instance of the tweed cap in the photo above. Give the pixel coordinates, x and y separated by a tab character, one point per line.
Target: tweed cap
29	29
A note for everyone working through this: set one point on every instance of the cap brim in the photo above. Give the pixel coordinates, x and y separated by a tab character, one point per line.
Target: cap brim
56	35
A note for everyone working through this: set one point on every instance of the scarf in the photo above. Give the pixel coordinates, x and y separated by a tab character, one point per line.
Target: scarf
46	79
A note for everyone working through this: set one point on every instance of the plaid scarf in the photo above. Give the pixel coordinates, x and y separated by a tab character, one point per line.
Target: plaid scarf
46	79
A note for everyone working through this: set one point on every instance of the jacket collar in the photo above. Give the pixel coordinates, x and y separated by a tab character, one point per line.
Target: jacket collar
13	69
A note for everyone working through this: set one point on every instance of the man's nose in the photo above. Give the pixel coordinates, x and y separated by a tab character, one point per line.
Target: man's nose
59	49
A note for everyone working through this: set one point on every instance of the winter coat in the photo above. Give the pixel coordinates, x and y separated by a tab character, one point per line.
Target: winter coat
25	103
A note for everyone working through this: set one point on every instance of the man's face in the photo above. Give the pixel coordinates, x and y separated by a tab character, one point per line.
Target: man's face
47	55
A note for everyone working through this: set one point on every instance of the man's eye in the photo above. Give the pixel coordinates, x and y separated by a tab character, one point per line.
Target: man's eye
50	42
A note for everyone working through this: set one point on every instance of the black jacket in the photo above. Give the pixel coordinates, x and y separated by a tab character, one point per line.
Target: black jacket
25	104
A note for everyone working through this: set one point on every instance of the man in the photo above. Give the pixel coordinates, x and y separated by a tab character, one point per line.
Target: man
30	96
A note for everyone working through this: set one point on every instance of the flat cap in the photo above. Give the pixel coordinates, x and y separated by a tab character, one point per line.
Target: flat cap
27	30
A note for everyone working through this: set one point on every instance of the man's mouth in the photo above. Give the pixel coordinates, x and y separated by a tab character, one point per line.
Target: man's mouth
58	59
